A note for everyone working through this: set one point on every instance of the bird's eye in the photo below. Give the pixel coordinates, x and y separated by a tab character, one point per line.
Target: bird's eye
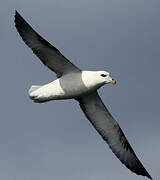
103	75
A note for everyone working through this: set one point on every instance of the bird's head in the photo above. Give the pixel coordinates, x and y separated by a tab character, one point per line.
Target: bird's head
105	78
96	78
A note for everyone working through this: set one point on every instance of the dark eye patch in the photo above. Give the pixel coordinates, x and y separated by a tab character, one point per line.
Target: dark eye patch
103	75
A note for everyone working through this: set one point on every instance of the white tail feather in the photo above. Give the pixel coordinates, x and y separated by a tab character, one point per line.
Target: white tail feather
33	88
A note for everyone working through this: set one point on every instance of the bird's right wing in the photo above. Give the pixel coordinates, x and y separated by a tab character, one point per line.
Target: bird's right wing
48	54
110	131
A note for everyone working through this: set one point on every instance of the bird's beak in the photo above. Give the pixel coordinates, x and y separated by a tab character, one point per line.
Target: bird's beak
113	81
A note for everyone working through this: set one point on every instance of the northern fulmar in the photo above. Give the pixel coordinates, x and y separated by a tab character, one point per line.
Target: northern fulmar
73	83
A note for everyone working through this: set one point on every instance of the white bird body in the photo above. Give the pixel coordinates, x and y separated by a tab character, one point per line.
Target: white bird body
69	86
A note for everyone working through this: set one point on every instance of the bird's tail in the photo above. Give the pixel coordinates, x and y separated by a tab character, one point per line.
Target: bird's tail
33	88
35	95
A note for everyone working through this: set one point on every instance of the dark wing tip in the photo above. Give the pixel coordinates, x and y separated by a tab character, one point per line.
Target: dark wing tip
16	12
28	34
148	175
133	164
144	172
19	21
17	16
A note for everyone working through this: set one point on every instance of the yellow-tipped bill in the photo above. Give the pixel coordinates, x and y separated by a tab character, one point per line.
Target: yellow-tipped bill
113	82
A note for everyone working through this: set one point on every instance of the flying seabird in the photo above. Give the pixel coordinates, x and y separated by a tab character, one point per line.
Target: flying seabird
73	83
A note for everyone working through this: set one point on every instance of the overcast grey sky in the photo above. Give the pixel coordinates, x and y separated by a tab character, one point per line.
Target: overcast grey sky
55	141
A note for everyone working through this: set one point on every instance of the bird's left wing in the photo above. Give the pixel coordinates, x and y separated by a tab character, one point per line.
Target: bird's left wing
111	132
48	54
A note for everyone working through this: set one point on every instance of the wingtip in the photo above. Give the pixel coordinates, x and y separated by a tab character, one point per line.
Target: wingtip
18	20
145	173
16	13
148	175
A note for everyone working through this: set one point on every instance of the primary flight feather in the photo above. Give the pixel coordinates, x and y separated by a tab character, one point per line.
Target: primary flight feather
81	85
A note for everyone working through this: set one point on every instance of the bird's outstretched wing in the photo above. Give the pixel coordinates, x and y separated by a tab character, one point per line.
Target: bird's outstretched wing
49	55
110	131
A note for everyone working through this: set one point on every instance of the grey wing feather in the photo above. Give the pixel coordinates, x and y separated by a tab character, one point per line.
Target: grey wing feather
110	131
48	54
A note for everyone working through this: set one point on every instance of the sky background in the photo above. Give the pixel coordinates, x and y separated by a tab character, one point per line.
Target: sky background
55	141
